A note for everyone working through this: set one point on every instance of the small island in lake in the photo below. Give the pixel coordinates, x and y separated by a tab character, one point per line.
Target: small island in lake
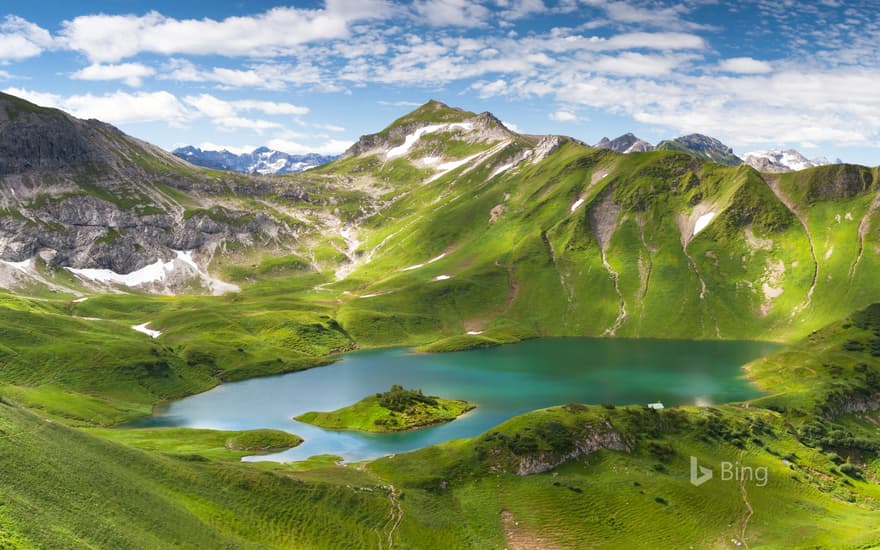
396	410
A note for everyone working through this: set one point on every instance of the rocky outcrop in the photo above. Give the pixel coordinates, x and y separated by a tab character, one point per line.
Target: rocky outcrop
601	437
82	194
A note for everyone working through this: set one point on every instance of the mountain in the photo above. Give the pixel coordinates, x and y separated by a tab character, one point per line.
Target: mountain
437	188
443	231
777	161
261	160
627	143
702	147
113	210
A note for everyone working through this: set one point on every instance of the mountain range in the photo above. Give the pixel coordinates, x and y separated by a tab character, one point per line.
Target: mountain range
261	160
444	231
710	149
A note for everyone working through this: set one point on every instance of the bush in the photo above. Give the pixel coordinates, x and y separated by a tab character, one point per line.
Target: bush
399	399
850	469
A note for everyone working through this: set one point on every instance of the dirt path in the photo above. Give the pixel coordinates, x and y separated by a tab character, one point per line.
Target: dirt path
394	519
744	521
773	184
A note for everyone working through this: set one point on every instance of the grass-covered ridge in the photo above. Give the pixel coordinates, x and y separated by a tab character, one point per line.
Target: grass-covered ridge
396	410
519	243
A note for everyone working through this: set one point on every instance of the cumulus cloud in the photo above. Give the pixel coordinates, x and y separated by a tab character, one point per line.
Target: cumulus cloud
460	13
117	108
269	76
278	31
563	116
21	39
745	65
132	74
229	114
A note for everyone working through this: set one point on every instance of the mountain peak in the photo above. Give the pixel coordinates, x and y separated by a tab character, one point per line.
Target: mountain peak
703	147
627	143
776	161
262	160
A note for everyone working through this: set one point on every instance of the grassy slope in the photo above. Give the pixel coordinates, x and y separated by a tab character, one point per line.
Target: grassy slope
214	444
536	270
820	448
369	416
66	489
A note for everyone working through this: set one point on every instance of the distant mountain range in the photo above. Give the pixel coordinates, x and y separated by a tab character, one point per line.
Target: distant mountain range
788	160
261	160
711	149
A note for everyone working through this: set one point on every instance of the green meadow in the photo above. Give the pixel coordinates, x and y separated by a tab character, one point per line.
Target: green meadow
580	242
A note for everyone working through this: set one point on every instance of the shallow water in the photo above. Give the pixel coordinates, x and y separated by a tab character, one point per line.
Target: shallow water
502	382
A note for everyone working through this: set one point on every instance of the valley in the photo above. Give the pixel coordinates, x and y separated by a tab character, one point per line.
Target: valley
525	274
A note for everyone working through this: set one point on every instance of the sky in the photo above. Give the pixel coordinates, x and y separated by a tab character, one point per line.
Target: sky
314	76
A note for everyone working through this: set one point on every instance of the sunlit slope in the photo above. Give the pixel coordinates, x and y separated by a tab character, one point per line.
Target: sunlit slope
611	477
589	242
66	489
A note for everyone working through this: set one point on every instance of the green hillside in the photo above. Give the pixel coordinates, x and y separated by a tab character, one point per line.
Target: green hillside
443	231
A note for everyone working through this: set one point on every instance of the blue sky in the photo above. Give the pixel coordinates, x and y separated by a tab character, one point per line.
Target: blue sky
313	76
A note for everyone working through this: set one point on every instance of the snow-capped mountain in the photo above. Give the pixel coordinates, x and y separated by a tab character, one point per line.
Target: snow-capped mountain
261	161
776	160
627	143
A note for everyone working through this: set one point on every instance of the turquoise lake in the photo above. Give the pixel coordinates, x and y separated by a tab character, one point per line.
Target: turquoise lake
502	382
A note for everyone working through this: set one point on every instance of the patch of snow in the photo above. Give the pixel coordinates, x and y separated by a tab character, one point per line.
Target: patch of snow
440	257
13	273
501	169
474	332
149	332
410	268
829	252
576	204
157	272
430	161
411	140
447	167
271	168
442	277
703	221
80	300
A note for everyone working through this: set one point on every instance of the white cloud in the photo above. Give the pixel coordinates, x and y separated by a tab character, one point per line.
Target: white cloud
563	116
117	108
227	114
330	147
269	76
745	65
278	31
634	63
651	40
21	39
130	73
517	9
459	13
667	17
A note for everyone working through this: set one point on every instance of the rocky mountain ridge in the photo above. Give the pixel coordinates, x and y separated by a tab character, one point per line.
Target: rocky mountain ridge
262	160
779	161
